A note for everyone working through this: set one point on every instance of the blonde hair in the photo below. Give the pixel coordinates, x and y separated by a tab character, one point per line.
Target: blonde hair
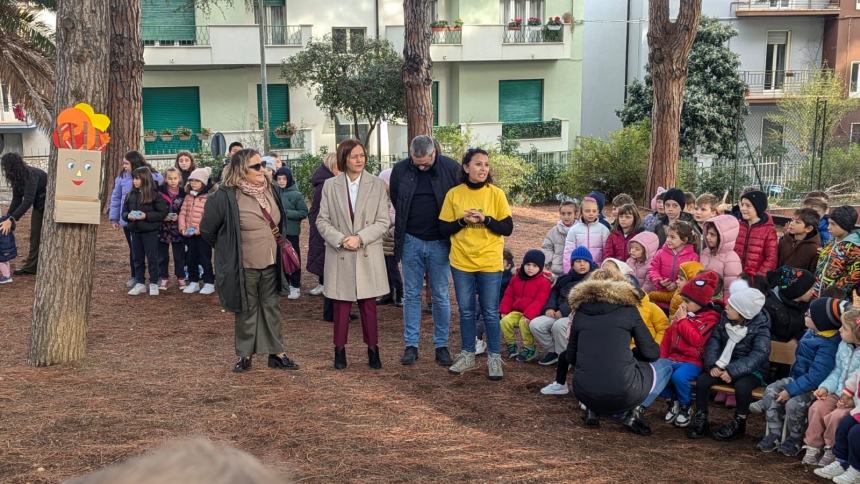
236	171
606	275
330	161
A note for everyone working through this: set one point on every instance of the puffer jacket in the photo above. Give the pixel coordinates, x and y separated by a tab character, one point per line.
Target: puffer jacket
616	244
787	316
316	244
663	226
824	230
154	211
121	187
654	318
847	363
169	231
558	296
750	354
295	209
725	261
591	235
799	254
756	245
838	269
814	359
651	244
685	339
192	210
666	264
527	296
553	247
607	376
689	269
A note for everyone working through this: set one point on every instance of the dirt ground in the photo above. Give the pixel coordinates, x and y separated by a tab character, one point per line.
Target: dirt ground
159	369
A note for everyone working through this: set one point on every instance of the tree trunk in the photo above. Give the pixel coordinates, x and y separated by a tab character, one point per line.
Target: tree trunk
67	255
417	69
669	45
124	89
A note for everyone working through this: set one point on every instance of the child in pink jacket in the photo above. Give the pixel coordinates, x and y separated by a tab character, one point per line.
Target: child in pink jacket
718	252
680	246
641	250
198	252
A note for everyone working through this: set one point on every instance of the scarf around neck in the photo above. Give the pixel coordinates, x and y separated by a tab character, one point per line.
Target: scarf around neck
736	333
258	192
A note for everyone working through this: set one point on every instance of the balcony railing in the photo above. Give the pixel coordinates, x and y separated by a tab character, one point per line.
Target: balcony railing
787	5
447	37
283	35
776	83
170	35
533	35
533	130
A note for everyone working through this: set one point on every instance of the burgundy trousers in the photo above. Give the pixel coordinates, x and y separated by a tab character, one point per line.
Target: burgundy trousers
367	310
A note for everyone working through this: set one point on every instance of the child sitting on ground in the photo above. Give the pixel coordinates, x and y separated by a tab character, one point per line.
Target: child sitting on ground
838	268
799	246
553	242
718	253
787	399
756	242
588	231
736	354
684	343
627	224
819	201
680	246
641	250
827	409
686	272
8	251
523	300
706	209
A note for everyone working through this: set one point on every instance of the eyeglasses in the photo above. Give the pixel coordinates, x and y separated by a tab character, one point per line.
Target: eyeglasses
257	167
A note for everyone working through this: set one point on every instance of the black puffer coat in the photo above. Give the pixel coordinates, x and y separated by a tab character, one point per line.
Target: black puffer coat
316	244
750	354
787	316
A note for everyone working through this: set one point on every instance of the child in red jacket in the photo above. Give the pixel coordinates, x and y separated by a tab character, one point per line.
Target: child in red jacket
684	343
756	242
523	300
627	224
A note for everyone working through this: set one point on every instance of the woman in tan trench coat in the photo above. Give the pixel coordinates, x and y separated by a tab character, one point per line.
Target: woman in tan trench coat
353	218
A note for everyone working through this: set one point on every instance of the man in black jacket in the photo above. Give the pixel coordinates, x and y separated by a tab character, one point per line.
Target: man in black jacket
29	186
418	187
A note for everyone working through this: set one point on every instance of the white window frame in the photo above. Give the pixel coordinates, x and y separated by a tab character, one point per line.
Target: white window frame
854	80
512	7
787	58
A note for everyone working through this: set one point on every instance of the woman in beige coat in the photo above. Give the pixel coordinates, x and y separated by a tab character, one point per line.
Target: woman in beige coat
353	218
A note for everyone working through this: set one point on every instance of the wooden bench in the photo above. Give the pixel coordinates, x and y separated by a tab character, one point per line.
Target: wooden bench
780	352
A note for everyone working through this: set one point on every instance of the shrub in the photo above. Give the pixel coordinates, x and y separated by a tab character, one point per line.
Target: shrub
547	178
509	173
303	168
452	140
540	129
716	179
838	166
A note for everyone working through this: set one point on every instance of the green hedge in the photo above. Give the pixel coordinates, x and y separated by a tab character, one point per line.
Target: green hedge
539	129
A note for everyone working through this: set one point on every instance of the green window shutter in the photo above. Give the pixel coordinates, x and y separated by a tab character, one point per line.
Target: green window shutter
434	94
171	108
279	111
274	3
167	21
521	101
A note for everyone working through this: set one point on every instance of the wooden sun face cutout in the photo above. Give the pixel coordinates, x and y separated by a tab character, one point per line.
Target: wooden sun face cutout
79	175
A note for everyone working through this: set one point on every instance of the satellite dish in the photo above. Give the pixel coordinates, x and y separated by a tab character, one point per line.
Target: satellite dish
218	145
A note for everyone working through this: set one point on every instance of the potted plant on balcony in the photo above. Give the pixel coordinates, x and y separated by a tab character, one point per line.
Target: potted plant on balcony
149	135
533	22
184	134
458	25
166	135
554	23
515	24
285	130
204	134
567	18
439	25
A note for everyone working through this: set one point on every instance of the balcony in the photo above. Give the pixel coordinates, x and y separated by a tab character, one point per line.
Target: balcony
532	35
765	87
786	8
447	37
213	45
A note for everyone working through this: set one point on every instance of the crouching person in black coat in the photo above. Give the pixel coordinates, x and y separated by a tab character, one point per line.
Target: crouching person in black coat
609	378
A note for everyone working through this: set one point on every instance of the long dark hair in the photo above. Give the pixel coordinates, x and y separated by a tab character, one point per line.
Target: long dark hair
467	158
15	170
147	185
190	157
136	159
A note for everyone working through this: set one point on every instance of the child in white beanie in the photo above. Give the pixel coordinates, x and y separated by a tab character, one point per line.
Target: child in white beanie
737	355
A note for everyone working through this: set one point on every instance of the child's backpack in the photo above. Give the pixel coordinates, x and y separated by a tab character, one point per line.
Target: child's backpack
8	250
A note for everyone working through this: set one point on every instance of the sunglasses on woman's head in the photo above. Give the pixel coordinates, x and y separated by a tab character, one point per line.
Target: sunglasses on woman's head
256	166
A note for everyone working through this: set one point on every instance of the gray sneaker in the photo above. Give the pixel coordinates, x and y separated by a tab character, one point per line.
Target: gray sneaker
810	458
130	283
791	446
465	361
769	443
494	367
827	458
757	407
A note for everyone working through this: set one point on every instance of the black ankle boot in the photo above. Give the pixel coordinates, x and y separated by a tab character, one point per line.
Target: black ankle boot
282	363
398	297
373	357
736	428
635	421
700	427
339	358
244	364
591	418
385	300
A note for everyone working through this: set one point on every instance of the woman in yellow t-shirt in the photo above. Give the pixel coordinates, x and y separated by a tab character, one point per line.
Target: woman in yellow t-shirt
476	215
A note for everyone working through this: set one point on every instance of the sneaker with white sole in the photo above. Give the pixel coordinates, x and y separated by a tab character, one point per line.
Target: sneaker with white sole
851	476
207	289
191	288
672	409
685	417
317	290
295	292
153	289
494	366
555	388
465	362
5	280
830	471
130	283
827	458
810	458
480	347
137	290
162	284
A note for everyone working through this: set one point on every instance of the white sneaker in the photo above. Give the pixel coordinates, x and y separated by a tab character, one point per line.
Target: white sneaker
480	347
317	290
830	471
153	289
191	288
137	290
465	362
851	476
207	289
555	388
130	283
494	366
295	292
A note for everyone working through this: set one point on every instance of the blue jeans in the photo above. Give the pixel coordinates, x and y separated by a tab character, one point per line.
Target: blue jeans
487	286
680	388
662	375
430	257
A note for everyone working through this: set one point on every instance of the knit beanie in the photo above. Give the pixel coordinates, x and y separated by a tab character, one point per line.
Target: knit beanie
201	175
758	199
745	300
792	283
622	266
660	191
845	217
691	268
582	253
826	313
284	171
701	288
676	195
534	256
600	199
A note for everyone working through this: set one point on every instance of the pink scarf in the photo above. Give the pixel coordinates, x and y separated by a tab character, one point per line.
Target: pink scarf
256	191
